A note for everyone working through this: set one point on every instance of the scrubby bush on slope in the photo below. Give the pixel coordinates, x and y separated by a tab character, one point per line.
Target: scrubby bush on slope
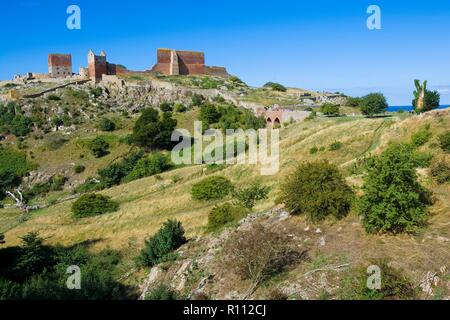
393	199
318	190
169	238
212	188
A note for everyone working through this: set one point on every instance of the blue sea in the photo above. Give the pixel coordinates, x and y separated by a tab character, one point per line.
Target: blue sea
408	108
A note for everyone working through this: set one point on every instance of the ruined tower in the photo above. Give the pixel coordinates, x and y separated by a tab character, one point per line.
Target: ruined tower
97	65
59	65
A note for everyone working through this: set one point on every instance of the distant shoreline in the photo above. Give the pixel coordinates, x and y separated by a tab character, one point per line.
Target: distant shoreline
409	108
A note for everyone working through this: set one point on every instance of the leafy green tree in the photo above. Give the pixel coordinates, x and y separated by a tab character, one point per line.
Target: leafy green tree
34	256
152	131
209	114
318	190
99	147
330	109
169	238
393	199
13	166
373	103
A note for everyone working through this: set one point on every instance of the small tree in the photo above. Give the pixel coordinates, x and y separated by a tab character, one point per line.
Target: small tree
330	109
393	200
166	107
169	238
316	189
152	131
373	103
99	147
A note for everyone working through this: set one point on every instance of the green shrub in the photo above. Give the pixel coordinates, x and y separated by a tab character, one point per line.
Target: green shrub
440	171
163	293
153	164
393	200
313	150
221	216
212	188
99	147
21	126
336	146
169	238
421	137
90	205
247	197
106	124
394	285
180	108
422	159
96	92
79	168
166	107
197	100
316	189
330	109
275	86
115	173
444	141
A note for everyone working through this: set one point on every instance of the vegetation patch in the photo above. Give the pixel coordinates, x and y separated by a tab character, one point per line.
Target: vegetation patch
221	216
212	188
169	238
393	199
90	205
318	190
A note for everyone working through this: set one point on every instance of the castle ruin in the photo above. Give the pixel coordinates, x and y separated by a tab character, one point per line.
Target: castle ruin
59	65
175	62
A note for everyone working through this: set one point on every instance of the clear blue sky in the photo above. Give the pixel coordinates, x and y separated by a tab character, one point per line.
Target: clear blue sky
318	45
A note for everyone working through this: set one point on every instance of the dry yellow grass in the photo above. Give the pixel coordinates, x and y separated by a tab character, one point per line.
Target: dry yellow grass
147	203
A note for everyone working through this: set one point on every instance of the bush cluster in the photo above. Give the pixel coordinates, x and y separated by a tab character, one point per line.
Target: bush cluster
35	271
153	164
421	137
99	147
275	86
212	188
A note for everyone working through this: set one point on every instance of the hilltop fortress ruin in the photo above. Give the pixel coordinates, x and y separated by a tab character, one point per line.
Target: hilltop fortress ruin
169	62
